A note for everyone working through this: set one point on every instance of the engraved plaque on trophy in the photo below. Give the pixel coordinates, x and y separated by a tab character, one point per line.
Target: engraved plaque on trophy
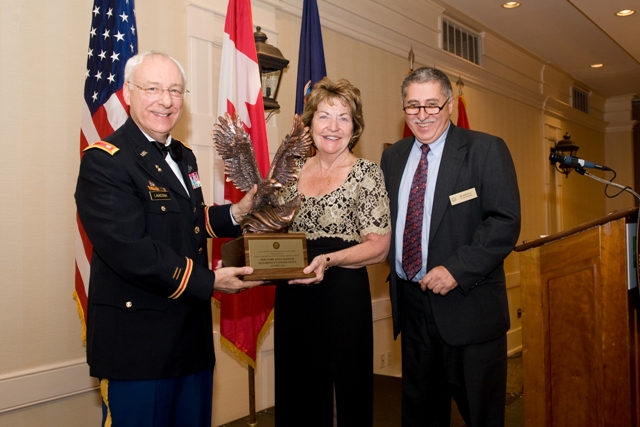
265	244
273	256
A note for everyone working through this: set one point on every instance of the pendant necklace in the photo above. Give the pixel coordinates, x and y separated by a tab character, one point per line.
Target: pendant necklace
322	169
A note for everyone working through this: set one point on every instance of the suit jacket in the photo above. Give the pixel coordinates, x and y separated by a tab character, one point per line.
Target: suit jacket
149	302
470	239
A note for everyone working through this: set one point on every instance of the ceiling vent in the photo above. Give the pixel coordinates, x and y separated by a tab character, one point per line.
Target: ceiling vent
461	42
580	99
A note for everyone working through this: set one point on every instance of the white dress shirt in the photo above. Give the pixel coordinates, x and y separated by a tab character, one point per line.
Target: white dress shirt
433	158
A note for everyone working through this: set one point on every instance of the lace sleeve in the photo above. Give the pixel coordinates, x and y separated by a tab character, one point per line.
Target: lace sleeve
373	200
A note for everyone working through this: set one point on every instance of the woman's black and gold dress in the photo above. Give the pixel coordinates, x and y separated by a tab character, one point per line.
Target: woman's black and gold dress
324	332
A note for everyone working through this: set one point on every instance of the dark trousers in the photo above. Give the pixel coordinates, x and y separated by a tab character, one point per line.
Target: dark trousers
434	372
170	402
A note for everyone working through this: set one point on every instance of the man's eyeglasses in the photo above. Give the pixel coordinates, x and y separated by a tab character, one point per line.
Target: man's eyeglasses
155	92
412	110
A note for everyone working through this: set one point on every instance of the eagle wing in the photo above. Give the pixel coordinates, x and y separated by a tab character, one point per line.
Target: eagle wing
234	145
296	144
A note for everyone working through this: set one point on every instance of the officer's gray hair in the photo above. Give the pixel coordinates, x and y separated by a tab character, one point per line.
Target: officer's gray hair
136	60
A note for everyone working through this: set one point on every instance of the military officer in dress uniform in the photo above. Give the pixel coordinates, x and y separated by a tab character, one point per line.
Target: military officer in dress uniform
149	324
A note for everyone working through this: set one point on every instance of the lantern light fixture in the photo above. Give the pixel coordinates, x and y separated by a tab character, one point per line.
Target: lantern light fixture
271	64
567	148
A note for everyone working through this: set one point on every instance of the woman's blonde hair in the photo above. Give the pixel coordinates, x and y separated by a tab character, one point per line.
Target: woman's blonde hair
343	91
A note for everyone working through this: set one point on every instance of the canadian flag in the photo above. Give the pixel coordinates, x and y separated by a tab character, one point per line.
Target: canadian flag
244	317
240	88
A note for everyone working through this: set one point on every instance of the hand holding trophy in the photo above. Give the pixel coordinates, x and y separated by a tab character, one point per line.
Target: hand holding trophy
265	244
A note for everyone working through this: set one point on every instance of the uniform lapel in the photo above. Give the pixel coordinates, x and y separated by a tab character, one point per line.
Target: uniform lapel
186	169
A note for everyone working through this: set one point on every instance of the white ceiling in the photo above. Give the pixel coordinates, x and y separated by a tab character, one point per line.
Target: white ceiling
570	34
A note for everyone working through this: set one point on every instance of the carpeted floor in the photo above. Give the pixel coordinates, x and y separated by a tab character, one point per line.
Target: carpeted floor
387	396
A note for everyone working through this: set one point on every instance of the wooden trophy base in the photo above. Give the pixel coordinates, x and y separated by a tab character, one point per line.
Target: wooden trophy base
273	256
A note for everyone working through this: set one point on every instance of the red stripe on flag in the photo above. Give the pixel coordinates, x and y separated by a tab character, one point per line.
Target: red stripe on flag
102	124
88	248
120	95
83	142
244	317
81	302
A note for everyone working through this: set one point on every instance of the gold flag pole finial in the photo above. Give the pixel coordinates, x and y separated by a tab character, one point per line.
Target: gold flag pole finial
460	85
411	58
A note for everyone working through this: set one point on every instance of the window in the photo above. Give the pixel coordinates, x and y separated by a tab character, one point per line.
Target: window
461	42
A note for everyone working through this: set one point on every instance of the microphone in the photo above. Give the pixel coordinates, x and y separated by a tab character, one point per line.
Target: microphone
575	162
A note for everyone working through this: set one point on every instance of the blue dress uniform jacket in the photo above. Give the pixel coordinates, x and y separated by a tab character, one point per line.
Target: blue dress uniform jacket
149	302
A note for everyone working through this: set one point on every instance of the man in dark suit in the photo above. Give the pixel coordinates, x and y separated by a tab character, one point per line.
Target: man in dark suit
149	324
455	210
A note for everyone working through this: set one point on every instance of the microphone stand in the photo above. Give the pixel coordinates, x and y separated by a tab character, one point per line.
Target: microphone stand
581	171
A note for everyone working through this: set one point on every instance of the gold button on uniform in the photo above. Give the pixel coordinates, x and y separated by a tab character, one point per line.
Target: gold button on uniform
163	209
129	304
194	210
200	250
197	229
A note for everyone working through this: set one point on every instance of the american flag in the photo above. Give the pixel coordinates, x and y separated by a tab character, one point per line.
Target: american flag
112	41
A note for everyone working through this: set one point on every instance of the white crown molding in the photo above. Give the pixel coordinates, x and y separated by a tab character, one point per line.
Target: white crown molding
621	127
510	71
560	110
217	7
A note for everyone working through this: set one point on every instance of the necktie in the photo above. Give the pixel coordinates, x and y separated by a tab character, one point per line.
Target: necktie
174	149
412	237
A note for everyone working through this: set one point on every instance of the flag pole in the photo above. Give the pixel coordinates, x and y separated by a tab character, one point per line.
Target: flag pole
253	422
406	131
460	85
411	58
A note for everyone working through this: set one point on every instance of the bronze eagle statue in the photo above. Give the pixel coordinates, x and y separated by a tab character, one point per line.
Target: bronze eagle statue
234	145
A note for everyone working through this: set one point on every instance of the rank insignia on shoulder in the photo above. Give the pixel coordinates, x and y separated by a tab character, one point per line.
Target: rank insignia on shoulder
195	180
104	146
183	144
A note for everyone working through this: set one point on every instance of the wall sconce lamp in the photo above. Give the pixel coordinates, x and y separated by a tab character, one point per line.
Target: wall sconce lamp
271	63
566	148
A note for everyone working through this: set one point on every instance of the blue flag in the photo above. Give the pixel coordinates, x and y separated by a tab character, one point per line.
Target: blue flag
311	67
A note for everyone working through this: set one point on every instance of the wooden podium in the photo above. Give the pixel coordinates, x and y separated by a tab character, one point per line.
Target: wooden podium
580	328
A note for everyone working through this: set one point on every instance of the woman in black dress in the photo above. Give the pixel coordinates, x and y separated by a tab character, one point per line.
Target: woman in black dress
323	326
